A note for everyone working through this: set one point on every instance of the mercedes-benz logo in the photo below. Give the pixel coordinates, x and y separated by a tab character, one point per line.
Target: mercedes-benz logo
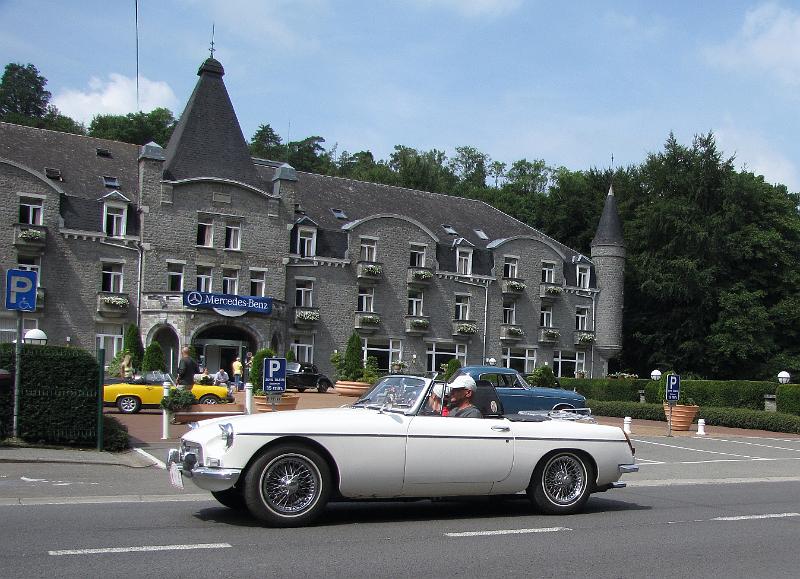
194	299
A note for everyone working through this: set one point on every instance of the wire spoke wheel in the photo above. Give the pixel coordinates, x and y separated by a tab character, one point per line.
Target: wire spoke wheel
562	484
290	484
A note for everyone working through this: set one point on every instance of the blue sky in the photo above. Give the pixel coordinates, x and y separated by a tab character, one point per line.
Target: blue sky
568	82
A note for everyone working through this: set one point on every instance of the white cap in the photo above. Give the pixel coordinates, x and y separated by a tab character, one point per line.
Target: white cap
463	381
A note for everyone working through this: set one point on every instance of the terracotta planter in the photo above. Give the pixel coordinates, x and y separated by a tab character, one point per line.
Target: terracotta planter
682	415
344	388
205	411
288	402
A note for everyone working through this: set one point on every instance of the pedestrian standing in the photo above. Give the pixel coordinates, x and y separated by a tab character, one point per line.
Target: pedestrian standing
248	365
187	368
237	373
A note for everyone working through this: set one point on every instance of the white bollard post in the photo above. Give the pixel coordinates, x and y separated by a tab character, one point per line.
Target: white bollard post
248	397
165	413
626	425
701	427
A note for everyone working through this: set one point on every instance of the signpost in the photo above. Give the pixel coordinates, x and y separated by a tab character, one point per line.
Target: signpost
20	296
273	381
673	394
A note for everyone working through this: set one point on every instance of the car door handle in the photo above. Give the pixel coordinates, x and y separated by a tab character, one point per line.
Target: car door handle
501	428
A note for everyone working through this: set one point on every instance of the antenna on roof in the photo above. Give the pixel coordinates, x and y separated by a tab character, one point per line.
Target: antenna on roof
211	50
136	19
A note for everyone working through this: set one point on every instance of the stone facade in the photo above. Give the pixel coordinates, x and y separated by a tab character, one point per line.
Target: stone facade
421	277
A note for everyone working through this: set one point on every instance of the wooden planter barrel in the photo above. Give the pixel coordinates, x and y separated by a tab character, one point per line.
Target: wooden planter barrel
288	402
682	415
205	411
344	388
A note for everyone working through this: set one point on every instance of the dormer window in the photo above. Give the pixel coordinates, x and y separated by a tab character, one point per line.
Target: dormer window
103	153
449	229
464	261
306	242
339	214
110	181
583	276
115	215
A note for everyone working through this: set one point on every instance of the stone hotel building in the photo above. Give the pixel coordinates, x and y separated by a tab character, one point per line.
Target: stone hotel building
123	234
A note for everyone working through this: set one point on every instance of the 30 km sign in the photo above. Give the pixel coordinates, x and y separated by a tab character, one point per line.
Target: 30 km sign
274	375
673	387
21	290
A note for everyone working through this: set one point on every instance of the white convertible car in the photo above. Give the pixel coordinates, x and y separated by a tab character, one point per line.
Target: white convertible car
394	442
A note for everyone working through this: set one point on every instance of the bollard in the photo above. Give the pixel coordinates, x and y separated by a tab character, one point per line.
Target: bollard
165	414
701	427
248	397
626	425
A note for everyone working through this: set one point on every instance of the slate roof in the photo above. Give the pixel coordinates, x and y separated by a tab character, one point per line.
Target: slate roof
208	141
82	169
609	230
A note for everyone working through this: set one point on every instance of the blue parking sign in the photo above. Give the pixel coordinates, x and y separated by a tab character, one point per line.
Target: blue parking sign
274	379
21	290
673	387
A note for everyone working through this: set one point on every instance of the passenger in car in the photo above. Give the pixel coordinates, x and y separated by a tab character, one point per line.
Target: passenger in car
433	405
462	389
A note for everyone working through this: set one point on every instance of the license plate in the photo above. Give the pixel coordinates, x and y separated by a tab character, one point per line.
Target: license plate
175	477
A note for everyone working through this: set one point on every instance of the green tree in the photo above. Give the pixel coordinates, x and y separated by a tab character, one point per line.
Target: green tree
137	128
352	365
470	166
267	144
426	171
132	342
22	93
153	358
257	370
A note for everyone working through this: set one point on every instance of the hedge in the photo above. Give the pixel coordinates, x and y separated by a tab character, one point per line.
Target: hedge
728	393
714	416
605	389
787	398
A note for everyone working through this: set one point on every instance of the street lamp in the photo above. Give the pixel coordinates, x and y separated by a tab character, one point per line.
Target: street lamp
492	361
655	374
783	377
39	338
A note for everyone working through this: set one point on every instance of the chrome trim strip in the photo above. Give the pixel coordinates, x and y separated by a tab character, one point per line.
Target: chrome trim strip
426	436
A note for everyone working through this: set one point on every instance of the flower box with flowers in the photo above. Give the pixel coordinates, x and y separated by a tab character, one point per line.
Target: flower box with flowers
515	331
307	315
419	323
32	235
370	320
550	335
516	286
115	301
421	274
467	329
584	338
372	270
553	290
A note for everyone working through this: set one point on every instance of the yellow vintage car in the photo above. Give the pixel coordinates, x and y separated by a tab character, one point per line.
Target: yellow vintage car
147	390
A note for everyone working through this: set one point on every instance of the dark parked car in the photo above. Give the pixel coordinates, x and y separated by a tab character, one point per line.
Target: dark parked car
517	395
303	376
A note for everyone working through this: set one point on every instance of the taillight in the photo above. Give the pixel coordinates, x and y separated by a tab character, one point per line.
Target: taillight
628	439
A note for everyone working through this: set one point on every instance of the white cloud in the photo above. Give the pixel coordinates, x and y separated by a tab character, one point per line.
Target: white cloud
766	41
755	153
116	96
474	8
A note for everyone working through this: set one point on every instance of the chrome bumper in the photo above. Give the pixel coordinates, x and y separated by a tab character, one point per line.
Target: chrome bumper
207	478
623	468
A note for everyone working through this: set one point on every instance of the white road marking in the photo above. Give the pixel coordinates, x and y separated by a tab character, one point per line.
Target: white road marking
144	549
159	463
757	444
117	499
695	449
507	532
752	517
708	481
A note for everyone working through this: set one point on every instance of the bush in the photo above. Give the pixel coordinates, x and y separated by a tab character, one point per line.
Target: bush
290	357
153	358
787	398
257	369
351	367
732	393
178	400
604	389
114	365
132	342
115	434
452	366
543	376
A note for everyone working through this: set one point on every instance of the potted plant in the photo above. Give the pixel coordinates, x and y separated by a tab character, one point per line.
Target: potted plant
260	398
352	377
683	412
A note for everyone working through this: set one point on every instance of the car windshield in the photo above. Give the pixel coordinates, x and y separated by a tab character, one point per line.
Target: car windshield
293	367
399	393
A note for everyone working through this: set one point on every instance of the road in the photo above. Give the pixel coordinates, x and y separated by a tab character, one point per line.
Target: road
698	507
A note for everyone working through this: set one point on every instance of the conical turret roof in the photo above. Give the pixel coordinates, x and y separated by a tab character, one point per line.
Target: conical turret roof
609	230
208	141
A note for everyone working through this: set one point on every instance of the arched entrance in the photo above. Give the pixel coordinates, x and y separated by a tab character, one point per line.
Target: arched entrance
168	340
218	346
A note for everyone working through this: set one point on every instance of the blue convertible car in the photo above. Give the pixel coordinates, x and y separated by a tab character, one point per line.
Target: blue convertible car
517	395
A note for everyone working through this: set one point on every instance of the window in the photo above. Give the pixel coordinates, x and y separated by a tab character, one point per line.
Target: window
205	232
548	272
339	214
204	278
230	281
510	267
464	261
110	181
415	303
462	307
449	229
546	317
258	283
303	352
441	354
306	242
522	360
369	249
583	276
30	210
509	313
582	318
480	233
28	263
115	220
233	233
8	328
366	299
112	278
175	277
567	364
417	255
303	292
109	336
386	352
103	153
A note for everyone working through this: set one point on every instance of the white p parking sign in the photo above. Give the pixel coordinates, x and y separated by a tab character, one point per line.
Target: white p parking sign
21	290
274	379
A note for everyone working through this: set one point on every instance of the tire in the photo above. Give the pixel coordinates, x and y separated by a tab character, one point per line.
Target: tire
209	399
561	483
301	389
231	498
129	404
279	502
322	386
